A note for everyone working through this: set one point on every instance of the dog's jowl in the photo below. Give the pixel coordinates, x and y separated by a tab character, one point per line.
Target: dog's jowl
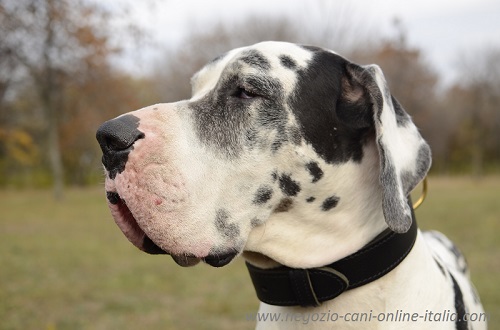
302	162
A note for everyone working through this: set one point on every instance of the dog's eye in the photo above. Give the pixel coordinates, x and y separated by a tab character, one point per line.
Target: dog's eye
244	94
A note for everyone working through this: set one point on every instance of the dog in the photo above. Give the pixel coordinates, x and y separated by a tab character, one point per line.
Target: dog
302	162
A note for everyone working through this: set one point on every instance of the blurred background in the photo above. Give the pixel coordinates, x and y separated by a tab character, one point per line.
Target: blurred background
68	65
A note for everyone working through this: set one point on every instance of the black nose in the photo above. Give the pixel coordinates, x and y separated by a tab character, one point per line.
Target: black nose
116	138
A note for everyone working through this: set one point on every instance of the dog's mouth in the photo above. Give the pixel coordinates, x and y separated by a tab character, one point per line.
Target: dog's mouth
134	233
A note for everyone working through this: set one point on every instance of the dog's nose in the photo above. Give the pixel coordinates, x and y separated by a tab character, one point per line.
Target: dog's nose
119	134
116	138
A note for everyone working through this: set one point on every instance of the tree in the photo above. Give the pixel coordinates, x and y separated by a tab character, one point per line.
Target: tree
49	45
475	100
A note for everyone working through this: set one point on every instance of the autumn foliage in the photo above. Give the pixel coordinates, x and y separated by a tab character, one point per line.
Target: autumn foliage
59	81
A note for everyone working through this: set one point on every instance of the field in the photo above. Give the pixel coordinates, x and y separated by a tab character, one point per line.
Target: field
67	266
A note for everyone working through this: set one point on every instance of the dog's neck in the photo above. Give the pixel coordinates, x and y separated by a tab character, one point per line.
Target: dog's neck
306	236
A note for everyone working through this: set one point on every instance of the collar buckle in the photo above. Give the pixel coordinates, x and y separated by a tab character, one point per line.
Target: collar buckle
308	285
285	286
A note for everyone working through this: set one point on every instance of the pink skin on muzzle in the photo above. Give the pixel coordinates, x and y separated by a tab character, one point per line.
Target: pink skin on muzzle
153	198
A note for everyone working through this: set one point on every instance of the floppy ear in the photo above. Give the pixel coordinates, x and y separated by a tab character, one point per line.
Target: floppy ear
404	156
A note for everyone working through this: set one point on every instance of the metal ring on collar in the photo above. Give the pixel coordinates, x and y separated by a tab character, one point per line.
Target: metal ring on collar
422	196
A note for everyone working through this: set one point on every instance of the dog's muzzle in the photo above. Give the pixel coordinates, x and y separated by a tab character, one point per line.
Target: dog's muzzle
117	138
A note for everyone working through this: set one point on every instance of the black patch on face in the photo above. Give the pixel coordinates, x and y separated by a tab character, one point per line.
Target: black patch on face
251	137
112	197
310	199
116	138
288	186
330	203
221	118
276	145
256	59
226	229
263	85
295	135
229	123
315	171
262	195
284	205
314	103
288	62
271	112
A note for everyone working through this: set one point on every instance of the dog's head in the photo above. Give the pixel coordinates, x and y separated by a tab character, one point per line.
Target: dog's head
274	133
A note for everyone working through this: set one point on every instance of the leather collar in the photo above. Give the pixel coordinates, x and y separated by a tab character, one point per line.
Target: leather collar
284	286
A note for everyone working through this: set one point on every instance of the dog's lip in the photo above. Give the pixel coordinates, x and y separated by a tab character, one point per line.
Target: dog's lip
215	260
130	228
185	260
113	197
219	260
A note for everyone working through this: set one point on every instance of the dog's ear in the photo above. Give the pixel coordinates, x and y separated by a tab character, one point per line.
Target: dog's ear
405	157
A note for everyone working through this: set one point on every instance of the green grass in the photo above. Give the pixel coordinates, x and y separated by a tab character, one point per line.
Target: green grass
468	212
67	266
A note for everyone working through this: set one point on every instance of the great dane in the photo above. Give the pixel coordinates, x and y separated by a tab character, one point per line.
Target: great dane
302	162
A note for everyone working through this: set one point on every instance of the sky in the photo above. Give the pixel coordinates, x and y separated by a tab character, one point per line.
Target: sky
445	30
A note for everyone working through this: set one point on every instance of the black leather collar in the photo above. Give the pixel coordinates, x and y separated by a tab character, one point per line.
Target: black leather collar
284	286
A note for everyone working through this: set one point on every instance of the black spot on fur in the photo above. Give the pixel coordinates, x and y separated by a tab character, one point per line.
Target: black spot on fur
226	229
256	59
288	186
440	267
274	175
315	171
284	205
310	199
330	203
288	62
262	195
315	102
255	222
460	323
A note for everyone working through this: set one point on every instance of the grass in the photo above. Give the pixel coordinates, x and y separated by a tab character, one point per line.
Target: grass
67	266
